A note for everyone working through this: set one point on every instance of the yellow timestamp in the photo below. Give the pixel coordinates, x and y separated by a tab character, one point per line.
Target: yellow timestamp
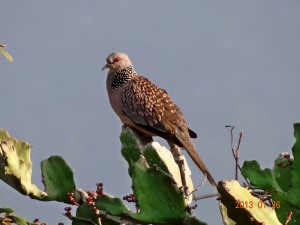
259	204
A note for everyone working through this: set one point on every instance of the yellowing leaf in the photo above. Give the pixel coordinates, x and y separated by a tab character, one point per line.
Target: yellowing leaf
6	54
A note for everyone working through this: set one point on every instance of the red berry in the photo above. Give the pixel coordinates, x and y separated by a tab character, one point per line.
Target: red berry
68	209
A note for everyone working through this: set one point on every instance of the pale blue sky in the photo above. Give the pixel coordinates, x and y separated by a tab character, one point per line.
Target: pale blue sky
222	62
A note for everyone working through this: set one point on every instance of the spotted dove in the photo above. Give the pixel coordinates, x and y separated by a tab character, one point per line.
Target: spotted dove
142	105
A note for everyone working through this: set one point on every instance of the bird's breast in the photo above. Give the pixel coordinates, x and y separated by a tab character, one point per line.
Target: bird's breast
115	99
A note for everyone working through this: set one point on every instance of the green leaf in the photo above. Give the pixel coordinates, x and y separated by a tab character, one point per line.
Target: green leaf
294	193
17	167
58	179
114	206
158	156
18	220
282	170
264	179
87	213
132	145
158	204
6	55
289	175
7	211
163	203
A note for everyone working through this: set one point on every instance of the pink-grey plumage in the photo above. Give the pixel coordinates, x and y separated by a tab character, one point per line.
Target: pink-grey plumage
144	106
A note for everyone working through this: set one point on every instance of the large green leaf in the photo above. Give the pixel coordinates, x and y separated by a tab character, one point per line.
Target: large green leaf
17	167
159	200
58	179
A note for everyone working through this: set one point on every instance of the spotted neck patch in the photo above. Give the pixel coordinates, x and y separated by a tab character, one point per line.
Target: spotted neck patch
122	76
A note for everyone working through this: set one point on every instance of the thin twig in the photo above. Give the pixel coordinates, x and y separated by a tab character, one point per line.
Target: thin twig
232	149
231	139
200	185
236	153
195	198
205	196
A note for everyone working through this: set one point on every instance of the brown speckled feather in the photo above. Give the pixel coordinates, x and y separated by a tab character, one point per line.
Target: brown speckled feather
151	107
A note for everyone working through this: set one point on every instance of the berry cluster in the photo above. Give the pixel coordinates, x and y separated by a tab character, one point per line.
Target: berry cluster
130	198
68	213
99	190
36	221
90	200
72	200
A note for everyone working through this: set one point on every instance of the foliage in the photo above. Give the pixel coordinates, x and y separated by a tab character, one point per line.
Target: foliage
5	53
156	204
6	217
151	164
282	182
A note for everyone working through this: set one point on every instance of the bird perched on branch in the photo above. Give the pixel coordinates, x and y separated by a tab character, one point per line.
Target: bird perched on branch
142	105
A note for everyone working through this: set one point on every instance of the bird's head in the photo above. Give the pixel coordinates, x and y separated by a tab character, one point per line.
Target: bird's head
117	61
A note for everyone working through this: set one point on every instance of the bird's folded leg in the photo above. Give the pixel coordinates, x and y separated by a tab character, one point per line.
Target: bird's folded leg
178	157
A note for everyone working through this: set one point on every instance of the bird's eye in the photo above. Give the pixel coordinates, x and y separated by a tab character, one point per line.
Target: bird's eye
117	59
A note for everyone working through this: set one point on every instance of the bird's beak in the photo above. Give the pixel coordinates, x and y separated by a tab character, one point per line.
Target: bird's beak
105	67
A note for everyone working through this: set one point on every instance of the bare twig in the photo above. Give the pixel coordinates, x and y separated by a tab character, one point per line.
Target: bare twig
232	150
205	196
200	185
196	198
231	138
236	152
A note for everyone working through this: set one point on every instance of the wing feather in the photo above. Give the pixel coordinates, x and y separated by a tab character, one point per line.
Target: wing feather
151	107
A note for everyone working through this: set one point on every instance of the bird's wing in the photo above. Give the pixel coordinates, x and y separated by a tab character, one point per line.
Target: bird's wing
151	107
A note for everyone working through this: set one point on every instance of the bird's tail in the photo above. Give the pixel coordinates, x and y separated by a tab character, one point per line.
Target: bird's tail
189	147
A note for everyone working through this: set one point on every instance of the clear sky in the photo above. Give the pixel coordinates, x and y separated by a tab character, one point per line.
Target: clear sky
222	62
